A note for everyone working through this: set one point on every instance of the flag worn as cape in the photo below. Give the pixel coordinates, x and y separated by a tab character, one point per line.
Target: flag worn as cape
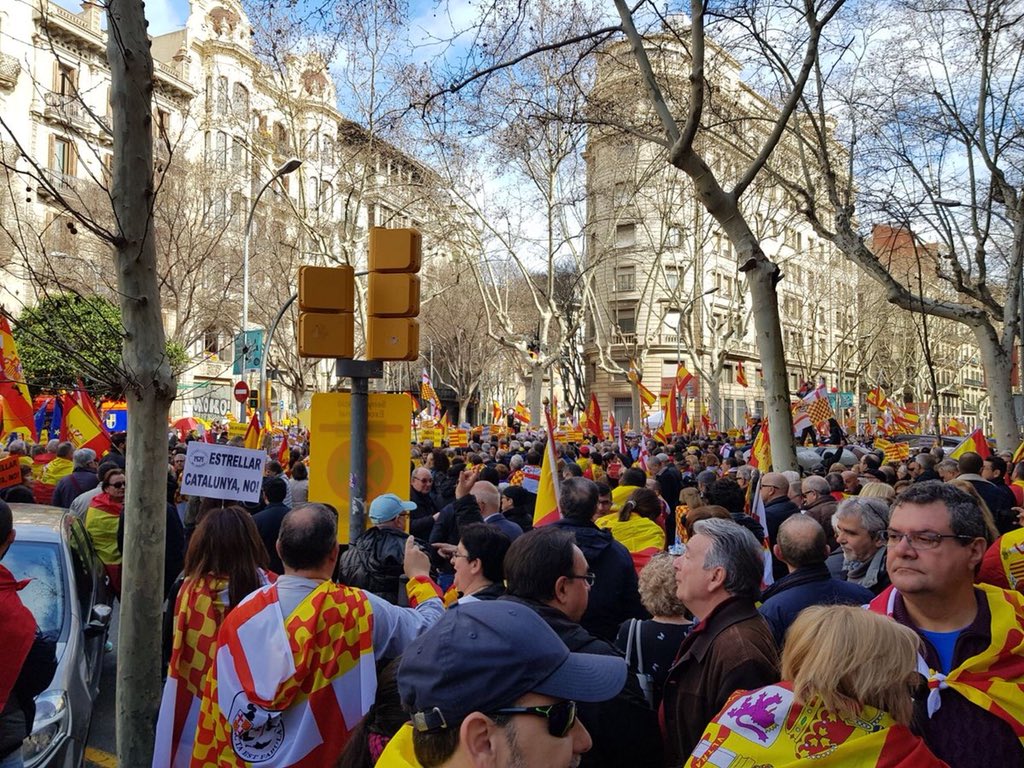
992	679
17	410
769	727
17	628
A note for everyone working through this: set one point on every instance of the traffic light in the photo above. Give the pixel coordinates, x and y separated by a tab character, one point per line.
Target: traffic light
394	295
254	400
326	307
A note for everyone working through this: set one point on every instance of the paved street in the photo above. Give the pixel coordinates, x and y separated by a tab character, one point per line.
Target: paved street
101	750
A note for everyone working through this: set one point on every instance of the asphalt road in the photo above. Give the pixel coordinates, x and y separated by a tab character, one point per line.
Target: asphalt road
102	739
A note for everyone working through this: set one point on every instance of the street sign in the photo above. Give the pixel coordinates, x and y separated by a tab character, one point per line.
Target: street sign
251	343
241	391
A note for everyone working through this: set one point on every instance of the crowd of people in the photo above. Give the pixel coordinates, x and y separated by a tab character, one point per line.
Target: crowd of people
684	609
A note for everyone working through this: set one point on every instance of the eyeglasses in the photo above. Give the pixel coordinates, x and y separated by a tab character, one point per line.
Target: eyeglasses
588	577
920	539
561	717
461	554
424	479
116	485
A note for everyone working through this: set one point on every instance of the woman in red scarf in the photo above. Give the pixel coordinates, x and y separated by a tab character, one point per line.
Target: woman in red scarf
101	520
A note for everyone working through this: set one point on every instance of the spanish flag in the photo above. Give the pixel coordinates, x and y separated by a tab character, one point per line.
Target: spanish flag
546	510
592	418
761	452
683	377
17	403
741	375
254	433
975	442
81	425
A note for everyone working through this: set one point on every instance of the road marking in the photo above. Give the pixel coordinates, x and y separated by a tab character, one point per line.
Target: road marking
99	759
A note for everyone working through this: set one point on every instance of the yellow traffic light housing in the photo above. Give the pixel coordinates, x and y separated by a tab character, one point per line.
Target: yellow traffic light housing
393	300
326	306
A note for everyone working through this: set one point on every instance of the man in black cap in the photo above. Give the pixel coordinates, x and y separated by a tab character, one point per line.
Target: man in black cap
492	684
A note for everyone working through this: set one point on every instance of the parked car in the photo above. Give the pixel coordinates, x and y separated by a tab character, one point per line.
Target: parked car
71	599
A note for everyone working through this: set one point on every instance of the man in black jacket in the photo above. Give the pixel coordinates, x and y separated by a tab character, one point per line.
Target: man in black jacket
376	560
546	572
421	486
777	507
29	657
268	520
616	595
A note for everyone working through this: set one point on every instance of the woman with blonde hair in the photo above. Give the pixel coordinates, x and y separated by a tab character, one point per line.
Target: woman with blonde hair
840	702
650	645
882	491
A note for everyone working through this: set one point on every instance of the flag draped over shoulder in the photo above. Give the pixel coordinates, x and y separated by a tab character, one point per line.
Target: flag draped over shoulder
287	693
992	679
17	403
546	510
770	727
975	442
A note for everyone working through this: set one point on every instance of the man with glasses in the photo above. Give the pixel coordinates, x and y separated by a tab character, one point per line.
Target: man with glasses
819	504
421	486
546	572
971	712
491	684
777	507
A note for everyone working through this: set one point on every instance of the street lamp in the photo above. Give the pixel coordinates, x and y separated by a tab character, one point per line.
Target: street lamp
289	167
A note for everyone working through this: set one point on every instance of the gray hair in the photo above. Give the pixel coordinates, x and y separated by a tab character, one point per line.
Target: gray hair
873	513
17	446
817	484
487	497
947	465
746	472
926	460
83	457
516	462
577	498
736	550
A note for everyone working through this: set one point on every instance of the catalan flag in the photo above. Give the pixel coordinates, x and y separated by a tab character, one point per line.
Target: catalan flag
428	395
741	375
877	398
1018	455
17	403
893	451
975	442
546	509
956	427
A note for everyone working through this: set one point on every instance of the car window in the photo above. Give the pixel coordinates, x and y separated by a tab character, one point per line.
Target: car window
44	595
82	562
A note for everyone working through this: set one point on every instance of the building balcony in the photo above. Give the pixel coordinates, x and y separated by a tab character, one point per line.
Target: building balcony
63	183
10	68
67	110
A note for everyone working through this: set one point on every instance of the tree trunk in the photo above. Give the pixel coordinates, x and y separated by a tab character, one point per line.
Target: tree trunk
715	398
998	362
534	390
463	410
634	402
150	385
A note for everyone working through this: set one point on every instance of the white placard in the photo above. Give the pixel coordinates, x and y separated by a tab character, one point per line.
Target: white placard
223	472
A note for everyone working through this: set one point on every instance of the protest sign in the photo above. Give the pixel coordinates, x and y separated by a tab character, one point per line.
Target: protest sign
10	472
223	472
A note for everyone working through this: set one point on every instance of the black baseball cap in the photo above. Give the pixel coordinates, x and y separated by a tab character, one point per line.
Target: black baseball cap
484	655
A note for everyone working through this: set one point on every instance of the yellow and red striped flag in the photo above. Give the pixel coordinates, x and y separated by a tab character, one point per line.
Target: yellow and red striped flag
683	378
253	433
81	425
975	442
523	413
761	452
741	375
546	509
17	402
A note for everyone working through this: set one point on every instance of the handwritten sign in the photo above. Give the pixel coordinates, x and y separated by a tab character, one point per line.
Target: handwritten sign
10	472
223	472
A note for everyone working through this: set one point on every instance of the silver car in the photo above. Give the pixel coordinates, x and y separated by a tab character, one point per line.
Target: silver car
70	598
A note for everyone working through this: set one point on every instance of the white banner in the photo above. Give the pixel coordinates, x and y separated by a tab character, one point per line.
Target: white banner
223	472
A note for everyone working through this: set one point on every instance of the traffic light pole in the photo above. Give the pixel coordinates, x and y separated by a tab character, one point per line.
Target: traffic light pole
360	371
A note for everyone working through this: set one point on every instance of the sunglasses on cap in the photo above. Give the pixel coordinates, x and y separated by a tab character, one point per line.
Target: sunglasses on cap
561	717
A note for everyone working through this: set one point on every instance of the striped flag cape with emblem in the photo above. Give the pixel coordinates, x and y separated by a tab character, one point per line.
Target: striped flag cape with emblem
287	691
992	679
200	608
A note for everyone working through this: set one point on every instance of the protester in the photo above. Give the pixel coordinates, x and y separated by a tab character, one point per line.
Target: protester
650	645
23	492
299	483
225	562
292	690
101	522
493	685
488	501
421	485
972	637
81	479
549	574
841	702
29	657
479	562
802	546
718	578
860	525
81	502
727	493
615	596
517	505
375	561
635	526
971	464
819	505
268	520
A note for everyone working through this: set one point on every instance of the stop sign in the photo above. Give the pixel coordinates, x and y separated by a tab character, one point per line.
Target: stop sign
241	391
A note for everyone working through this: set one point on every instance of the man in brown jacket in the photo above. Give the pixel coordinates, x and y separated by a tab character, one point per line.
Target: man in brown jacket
718	578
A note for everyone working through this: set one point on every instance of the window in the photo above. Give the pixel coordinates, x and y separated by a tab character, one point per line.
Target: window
65	80
621	195
237	154
163	124
625	278
625	319
240	102
222	95
625	235
671	279
221	158
62	159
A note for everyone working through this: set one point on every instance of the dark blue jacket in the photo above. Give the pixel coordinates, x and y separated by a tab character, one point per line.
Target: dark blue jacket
804	587
615	595
504	525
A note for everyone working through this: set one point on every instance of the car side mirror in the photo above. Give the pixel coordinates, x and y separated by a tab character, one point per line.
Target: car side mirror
99	620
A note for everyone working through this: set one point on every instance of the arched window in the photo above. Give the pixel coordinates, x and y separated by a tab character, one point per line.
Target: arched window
240	102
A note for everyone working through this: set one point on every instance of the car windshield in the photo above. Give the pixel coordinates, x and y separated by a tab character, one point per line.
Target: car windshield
44	595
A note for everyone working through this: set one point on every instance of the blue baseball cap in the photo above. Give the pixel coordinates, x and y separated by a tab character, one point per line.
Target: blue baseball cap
388	506
484	655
